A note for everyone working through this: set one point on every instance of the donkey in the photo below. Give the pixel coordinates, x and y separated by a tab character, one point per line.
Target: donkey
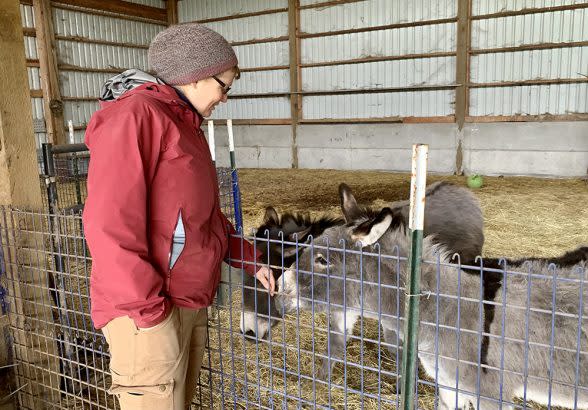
453	213
525	359
277	237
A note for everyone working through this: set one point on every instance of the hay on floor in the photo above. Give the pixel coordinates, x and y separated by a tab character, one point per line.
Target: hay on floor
523	217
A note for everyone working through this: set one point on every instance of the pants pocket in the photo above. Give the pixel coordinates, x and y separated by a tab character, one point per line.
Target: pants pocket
150	397
142	354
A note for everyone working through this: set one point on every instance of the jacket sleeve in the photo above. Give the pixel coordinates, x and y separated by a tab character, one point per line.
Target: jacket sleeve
123	157
241	253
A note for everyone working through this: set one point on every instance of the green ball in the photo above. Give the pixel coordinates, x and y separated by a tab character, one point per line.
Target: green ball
475	181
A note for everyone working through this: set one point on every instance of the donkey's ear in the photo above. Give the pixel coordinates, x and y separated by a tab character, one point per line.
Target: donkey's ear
349	207
271	216
369	232
300	235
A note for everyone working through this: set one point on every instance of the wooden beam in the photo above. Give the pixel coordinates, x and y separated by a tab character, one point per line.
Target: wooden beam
120	7
531	10
270	68
79	39
378	28
69	67
382	90
96	12
260	95
259	41
395	119
19	188
529	82
52	103
462	61
352	120
242	15
263	121
374	59
528	47
429	120
295	86
19	177
80	99
328	4
172	12
528	118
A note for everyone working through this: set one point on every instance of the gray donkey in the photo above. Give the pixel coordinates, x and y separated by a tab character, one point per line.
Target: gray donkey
453	214
524	357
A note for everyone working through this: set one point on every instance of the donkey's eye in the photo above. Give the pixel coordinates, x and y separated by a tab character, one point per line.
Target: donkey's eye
320	260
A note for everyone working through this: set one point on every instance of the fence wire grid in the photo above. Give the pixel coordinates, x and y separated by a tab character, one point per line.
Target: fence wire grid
332	341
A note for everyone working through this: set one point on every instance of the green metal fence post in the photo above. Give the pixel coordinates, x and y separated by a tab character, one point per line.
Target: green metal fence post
411	325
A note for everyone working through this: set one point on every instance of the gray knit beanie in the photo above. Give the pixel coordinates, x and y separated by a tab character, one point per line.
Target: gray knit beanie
186	53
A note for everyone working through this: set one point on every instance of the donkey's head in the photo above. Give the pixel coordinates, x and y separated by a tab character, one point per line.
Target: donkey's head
331	266
279	235
279	238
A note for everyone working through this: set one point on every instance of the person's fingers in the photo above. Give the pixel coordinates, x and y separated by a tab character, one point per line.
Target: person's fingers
272	284
262	278
264	275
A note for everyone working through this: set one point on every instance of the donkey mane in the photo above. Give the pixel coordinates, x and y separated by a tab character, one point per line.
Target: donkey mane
289	222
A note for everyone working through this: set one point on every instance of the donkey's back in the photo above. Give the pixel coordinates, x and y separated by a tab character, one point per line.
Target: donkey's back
454	216
546	333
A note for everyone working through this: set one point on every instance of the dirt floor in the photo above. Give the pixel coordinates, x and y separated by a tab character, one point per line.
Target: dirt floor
523	216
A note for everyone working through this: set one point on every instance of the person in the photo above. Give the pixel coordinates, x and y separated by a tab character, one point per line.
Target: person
152	219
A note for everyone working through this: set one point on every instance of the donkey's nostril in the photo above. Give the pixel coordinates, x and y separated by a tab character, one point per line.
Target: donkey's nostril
250	333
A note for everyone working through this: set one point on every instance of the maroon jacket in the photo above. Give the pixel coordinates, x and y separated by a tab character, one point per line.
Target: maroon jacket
149	162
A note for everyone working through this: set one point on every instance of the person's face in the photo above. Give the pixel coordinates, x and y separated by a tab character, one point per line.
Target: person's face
206	94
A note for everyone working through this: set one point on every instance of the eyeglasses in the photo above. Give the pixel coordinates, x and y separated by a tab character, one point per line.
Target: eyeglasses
225	89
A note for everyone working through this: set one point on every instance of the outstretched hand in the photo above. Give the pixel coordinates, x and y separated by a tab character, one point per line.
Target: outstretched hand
265	276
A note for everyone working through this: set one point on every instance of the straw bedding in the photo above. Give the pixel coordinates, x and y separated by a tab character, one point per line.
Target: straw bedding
523	217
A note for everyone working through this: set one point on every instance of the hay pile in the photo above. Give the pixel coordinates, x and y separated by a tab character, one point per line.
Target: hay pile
523	217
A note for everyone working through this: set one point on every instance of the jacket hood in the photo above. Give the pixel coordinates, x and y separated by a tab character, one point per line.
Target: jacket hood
126	81
134	81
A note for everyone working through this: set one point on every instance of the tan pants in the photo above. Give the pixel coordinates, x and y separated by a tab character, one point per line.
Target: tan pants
157	368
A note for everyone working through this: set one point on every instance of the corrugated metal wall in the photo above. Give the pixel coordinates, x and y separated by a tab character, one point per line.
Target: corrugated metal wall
550	64
401	40
85	63
91	47
403	54
361	60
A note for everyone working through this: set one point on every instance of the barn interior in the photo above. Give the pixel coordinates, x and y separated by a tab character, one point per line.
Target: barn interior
330	92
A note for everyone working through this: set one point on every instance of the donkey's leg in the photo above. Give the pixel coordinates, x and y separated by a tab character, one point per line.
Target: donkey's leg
490	394
394	344
341	326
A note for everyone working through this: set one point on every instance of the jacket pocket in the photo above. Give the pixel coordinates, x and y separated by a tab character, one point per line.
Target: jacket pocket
178	242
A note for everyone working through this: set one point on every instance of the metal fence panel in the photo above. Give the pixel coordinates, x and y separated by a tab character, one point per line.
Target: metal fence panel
540	317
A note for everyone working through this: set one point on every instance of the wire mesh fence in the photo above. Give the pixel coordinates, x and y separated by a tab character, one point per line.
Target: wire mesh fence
339	343
331	337
491	335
